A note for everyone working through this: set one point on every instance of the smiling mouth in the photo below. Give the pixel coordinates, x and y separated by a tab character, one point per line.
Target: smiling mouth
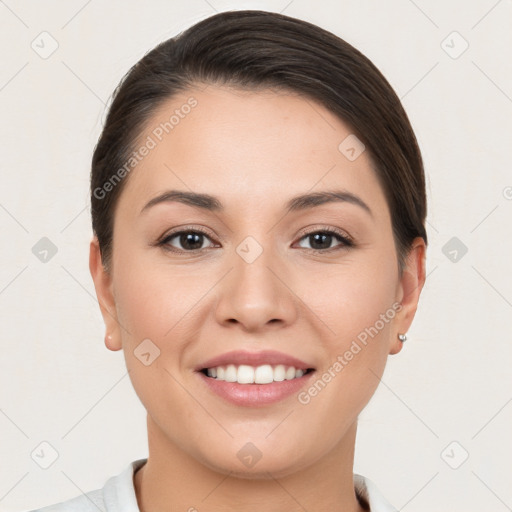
263	374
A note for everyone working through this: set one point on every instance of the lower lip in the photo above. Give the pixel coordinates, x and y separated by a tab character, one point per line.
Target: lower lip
255	395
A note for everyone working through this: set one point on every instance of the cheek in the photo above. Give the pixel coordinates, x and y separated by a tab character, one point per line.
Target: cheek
152	304
351	297
356	305
156	302
153	298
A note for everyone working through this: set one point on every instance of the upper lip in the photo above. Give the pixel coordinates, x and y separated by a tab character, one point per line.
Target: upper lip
238	357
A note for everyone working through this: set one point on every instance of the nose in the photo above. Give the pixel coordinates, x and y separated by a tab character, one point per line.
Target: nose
257	295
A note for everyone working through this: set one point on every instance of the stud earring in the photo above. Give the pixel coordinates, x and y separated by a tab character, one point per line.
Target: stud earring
402	337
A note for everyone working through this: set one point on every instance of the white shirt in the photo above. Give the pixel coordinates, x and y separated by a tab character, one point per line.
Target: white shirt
118	495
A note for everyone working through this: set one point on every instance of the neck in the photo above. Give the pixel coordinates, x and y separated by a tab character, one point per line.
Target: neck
172	479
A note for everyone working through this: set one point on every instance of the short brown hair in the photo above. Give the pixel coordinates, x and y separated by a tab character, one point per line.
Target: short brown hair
252	50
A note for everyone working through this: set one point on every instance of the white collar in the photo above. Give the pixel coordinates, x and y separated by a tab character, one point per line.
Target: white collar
369	492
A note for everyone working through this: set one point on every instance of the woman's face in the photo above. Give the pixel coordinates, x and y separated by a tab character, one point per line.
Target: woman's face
259	276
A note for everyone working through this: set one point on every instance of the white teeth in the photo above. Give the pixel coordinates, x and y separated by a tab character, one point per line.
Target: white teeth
264	374
290	373
231	373
279	373
245	374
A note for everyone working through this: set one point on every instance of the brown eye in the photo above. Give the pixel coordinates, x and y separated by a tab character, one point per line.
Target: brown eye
322	240
185	241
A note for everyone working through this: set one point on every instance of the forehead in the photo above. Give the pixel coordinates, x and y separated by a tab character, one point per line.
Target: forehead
248	147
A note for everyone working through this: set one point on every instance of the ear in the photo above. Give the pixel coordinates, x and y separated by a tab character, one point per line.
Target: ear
409	289
104	292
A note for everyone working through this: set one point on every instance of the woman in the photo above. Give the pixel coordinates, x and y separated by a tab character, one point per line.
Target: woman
258	207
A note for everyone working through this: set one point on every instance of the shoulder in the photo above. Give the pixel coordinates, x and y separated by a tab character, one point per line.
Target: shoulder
117	495
89	502
370	496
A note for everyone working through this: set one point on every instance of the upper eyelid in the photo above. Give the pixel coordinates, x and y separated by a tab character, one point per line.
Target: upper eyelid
303	233
185	229
335	231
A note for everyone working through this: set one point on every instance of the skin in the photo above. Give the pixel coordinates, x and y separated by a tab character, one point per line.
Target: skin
253	151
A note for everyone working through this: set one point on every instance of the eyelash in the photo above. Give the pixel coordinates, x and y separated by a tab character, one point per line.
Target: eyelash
346	241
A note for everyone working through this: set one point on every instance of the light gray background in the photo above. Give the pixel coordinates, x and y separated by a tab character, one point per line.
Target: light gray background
452	381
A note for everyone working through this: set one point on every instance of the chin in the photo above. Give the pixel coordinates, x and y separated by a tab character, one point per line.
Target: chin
262	470
243	459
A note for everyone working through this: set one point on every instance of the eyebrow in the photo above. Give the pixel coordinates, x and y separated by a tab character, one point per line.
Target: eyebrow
297	203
